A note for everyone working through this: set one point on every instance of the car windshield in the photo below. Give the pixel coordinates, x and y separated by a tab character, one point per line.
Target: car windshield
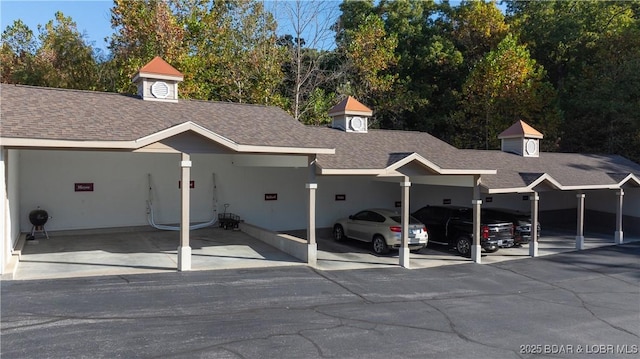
412	220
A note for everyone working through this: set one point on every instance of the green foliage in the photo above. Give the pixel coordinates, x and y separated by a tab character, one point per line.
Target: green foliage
65	58
504	87
59	57
590	49
463	72
477	28
17	55
143	30
319	103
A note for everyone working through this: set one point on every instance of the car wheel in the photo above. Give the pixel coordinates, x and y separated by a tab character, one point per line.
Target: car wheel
338	233
380	245
463	246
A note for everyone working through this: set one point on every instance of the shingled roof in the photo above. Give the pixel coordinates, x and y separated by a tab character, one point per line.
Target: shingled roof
59	114
379	149
35	113
557	170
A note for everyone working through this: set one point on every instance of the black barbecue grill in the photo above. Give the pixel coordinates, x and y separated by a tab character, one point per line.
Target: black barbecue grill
38	218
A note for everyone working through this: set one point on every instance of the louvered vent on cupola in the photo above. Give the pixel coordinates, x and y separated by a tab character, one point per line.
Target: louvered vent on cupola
158	81
521	139
350	116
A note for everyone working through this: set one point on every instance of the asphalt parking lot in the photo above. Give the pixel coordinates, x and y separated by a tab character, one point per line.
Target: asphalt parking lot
570	305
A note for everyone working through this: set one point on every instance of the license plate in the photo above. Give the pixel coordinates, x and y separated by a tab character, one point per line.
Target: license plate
499	242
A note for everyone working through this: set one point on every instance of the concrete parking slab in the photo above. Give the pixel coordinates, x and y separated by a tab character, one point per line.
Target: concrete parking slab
145	250
92	253
352	254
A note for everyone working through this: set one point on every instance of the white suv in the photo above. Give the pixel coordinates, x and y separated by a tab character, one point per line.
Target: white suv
381	227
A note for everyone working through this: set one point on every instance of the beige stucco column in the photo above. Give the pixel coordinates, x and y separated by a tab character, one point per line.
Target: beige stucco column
533	245
184	250
580	229
404	253
476	248
619	237
5	237
312	245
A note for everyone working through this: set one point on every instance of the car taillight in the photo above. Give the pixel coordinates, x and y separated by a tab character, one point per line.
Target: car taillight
485	232
395	229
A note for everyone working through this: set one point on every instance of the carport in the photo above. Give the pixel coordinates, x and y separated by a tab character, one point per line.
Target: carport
60	143
564	181
391	156
514	177
97	158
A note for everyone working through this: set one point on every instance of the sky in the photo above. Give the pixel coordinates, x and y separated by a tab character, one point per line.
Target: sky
92	17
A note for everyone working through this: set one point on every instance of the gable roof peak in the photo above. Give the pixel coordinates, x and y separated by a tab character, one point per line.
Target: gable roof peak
520	129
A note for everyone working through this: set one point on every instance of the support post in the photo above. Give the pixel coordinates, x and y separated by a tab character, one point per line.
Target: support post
476	248
404	253
184	250
619	237
580	229
5	218
533	246
312	245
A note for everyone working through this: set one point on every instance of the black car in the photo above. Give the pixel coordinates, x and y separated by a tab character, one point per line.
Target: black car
453	226
521	223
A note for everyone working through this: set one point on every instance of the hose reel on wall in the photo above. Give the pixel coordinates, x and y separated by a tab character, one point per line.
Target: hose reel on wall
150	210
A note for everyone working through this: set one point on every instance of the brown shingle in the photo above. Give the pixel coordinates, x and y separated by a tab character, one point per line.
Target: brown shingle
48	113
57	114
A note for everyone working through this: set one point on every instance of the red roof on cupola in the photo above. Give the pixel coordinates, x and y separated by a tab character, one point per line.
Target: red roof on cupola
160	67
520	129
350	106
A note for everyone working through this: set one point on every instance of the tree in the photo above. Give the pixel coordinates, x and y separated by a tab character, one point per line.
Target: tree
143	29
477	28
308	67
253	72
59	57
506	86
17	54
65	59
590	49
602	111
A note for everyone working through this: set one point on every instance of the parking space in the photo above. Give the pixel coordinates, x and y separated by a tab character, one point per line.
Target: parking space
92	253
143	250
352	254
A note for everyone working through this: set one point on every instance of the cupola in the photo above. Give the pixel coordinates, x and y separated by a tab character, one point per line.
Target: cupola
350	115
521	139
158	81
